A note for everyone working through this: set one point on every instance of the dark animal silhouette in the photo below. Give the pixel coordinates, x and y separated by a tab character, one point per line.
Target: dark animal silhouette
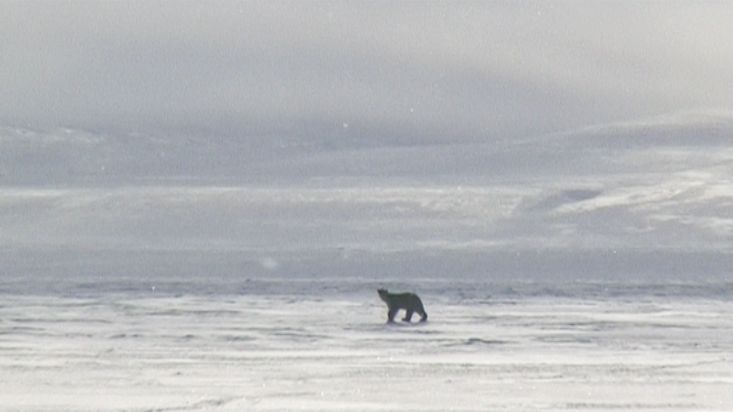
410	302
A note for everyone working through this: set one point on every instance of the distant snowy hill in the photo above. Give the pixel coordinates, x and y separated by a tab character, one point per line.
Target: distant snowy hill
681	142
653	193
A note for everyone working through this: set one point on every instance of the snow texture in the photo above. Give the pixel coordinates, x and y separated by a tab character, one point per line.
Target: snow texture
326	350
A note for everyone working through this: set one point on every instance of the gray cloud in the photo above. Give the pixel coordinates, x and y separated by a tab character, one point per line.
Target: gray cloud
412	72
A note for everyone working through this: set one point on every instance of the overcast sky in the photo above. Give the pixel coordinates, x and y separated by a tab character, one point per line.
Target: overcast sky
315	131
410	71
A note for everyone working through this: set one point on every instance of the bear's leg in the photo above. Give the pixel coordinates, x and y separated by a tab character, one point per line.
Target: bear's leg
423	316
390	315
408	315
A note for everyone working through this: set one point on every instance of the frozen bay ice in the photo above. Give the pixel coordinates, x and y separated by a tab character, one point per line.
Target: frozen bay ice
128	352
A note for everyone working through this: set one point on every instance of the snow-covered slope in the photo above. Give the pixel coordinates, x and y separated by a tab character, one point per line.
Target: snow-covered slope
656	193
680	142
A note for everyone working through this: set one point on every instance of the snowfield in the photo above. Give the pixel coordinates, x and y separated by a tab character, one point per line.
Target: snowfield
325	351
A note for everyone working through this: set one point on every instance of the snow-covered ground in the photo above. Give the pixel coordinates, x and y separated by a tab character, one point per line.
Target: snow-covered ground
331	351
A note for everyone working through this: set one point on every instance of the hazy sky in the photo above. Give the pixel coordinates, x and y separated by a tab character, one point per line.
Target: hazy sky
408	71
323	131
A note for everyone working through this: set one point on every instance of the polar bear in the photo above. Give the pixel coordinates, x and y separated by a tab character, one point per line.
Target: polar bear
410	302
